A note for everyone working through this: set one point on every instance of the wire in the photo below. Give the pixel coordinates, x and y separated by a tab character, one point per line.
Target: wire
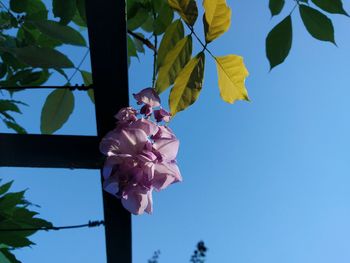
91	224
79	65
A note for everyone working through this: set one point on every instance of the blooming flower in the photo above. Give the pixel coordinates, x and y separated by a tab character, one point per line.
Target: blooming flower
141	156
162	115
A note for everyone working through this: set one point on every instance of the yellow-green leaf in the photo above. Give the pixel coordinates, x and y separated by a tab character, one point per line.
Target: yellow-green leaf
232	74
174	61
187	9
217	18
172	35
187	85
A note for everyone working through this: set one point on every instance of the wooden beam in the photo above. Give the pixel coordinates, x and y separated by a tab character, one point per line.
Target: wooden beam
108	49
50	151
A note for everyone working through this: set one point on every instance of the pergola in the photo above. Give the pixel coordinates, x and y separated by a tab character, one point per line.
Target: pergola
110	84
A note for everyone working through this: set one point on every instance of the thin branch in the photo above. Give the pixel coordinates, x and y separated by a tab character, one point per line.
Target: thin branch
146	42
89	225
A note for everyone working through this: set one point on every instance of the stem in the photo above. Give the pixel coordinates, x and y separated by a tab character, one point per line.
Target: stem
154	61
154	52
200	41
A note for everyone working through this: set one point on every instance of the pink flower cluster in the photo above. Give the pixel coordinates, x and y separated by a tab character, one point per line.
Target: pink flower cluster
141	154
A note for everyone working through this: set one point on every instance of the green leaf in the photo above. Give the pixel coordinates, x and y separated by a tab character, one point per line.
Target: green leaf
64	9
187	85
38	78
15	126
14	239
232	74
79	21
41	57
60	32
5	187
62	73
36	10
10	200
173	34
57	108
174	61
131	48
18	6
138	19
331	6
87	77
9	256
3	70
82	10
279	42
217	18
187	9
164	19
9	105
7	116
139	44
317	24
276	6
148	25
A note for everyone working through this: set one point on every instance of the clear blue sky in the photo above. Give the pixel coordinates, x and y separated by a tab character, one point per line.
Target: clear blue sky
264	182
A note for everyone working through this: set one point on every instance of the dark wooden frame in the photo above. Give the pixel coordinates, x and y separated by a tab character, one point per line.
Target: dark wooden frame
107	38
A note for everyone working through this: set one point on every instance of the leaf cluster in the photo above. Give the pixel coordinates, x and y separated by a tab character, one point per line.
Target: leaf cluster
314	15
15	214
30	50
176	66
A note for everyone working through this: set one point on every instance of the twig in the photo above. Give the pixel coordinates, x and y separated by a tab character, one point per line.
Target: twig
146	42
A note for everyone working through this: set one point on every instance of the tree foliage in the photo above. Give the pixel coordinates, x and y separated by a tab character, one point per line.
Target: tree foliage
15	214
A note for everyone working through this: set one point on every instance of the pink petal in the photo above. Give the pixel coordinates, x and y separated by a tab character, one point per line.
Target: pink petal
148	96
111	186
109	142
149	208
126	114
136	200
147	126
164	175
168	148
162	115
131	141
164	133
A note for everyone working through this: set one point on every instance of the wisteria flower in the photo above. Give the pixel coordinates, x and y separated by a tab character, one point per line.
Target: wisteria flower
141	155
